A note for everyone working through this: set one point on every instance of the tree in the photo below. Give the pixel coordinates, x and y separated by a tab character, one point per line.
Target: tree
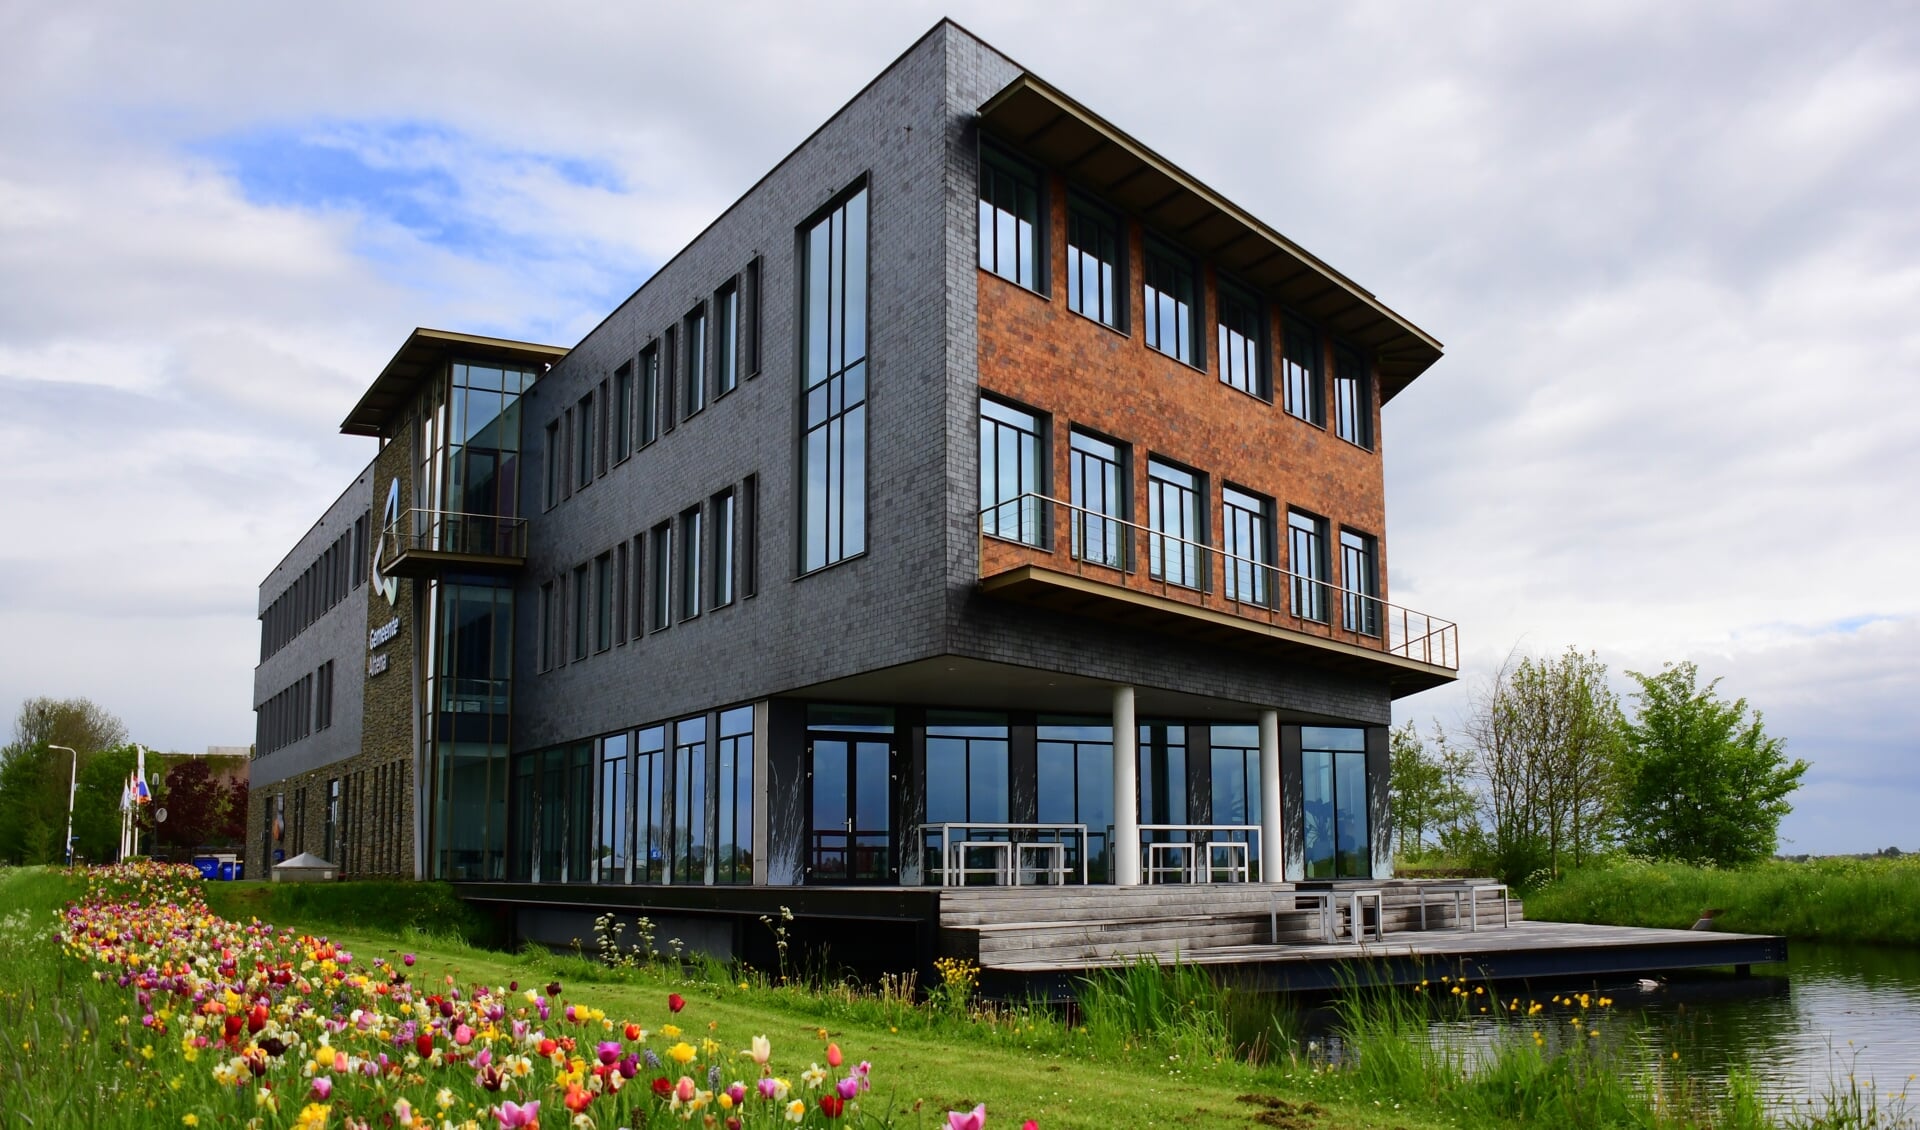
233	817
33	789
1543	740
76	723
96	803
1428	790
1702	781
193	800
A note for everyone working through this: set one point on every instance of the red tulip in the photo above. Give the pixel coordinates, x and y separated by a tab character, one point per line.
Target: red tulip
675	1002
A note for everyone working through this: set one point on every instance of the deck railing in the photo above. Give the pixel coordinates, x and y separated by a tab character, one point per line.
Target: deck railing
1038	529
452	531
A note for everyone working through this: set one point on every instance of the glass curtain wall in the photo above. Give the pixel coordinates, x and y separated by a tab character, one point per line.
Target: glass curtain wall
834	387
1075	761
967	775
1163	778
613	849
649	803
482	467
1333	785
1236	783
468	694
691	858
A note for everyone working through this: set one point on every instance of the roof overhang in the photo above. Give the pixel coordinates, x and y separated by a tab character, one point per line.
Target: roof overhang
1046	124
425	353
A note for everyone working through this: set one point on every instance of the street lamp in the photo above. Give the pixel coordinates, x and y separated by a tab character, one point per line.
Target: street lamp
73	779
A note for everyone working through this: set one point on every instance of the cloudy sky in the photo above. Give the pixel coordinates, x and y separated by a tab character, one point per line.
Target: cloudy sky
1673	251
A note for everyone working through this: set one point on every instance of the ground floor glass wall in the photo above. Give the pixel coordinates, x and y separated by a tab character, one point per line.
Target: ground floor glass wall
1333	788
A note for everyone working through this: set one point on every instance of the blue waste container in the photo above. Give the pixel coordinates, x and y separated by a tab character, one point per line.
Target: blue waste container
231	871
208	866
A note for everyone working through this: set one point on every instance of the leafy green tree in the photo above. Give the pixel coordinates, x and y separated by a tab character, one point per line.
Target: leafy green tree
96	803
33	804
1430	800
1702	781
77	723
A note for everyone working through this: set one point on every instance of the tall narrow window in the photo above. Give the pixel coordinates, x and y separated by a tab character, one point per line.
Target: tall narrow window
726	339
690	546
623	412
1307	559
612	847
1168	291
1100	500
650	395
1360	582
1249	546
690	855
549	626
750	318
649	795
637	589
581	595
723	548
583	451
603	602
1352	399
1333	810
660	573
621	588
1093	265
1176	553
1301	364
733	841
693	396
1009	220
1243	355
968	772
669	365
1010	465
834	492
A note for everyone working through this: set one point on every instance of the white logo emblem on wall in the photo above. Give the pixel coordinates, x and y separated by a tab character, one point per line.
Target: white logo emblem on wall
386	586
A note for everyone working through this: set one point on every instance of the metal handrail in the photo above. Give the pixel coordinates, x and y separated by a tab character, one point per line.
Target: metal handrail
1361	617
453	531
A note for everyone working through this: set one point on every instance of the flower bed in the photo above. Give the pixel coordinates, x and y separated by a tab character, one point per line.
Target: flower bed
275	1028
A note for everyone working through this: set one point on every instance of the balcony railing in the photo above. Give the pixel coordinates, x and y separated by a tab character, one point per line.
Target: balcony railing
448	535
1034	529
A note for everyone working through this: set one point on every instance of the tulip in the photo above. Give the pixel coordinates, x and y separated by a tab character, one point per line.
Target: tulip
675	1002
833	1055
512	1115
972	1120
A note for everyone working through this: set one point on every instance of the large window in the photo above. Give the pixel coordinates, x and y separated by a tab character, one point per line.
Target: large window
1236	783
1010	473
612	849
1163	777
1300	373
1009	220
834	498
1307	560
1243	354
694	396
1169	304
690	800
1100	492
1175	553
733	843
690	576
967	774
1249	546
649	807
1360	578
1352	399
1075	764
1333	786
1094	285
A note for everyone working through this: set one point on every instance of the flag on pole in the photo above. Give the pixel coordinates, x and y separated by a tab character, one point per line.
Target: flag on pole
126	794
141	793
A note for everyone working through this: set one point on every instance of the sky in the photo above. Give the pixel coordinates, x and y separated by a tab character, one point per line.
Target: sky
1673	252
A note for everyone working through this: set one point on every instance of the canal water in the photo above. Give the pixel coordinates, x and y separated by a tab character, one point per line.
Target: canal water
1832	1018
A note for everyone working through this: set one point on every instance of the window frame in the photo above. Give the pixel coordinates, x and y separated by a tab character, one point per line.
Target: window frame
1255	532
1360	605
1081	211
833	404
649	401
1116	523
693	380
581	643
584	447
1310	590
1032	523
1158	253
1352	397
1311	386
725	312
723	550
690	578
1196	571
623	402
1019	174
603	589
1258	383
660	564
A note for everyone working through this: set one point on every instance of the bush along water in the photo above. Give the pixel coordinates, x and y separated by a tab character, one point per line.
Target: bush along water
222	1024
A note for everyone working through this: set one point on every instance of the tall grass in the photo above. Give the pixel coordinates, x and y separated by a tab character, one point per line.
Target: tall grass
1839	900
1183	1010
389	906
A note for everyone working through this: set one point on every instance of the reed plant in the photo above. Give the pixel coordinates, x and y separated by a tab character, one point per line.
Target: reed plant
1836	900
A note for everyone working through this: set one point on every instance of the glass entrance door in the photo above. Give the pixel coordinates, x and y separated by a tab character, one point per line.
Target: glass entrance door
850	838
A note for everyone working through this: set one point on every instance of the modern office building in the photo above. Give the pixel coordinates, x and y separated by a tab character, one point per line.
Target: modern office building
977	467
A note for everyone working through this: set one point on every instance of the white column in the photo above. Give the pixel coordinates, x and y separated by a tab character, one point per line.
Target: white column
1272	868
1125	849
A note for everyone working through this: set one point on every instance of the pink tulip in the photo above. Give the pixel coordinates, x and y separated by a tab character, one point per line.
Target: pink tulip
972	1120
513	1115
